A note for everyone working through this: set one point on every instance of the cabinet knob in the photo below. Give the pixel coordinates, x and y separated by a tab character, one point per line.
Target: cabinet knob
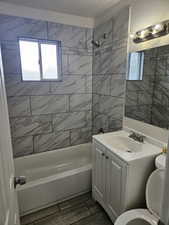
107	157
103	154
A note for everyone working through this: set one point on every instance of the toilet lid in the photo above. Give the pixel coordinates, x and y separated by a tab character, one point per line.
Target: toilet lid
154	191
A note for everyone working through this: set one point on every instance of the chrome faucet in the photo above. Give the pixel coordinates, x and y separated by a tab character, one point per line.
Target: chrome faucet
137	137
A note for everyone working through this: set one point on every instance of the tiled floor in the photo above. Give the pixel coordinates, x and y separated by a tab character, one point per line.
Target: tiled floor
81	210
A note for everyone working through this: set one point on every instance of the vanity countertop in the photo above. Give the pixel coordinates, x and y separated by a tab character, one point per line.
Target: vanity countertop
126	148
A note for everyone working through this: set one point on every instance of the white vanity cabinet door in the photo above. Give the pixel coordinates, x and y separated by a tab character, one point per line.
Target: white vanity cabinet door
115	184
99	171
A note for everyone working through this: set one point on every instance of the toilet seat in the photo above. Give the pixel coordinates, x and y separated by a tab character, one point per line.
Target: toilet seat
130	215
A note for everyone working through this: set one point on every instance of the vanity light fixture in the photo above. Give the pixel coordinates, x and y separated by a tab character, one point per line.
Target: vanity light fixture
151	32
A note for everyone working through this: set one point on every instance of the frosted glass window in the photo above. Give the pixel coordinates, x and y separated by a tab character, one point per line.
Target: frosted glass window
49	61
136	62
29	52
40	59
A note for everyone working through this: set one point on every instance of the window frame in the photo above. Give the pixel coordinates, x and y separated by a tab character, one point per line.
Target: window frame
141	65
58	56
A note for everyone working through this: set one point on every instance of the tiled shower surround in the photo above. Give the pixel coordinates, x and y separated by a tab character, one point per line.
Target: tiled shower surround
48	115
51	115
109	73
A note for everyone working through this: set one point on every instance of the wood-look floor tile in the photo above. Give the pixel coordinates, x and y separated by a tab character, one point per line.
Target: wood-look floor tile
74	214
50	220
96	219
75	201
26	220
93	206
82	210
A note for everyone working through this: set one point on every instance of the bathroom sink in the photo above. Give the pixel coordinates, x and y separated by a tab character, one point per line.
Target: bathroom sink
125	144
125	147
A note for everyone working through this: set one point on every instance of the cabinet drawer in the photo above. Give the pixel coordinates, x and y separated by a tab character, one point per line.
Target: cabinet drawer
98	145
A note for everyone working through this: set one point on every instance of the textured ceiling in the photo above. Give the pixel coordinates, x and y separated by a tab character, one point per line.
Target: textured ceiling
85	8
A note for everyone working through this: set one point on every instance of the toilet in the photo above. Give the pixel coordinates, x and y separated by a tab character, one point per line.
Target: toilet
154	194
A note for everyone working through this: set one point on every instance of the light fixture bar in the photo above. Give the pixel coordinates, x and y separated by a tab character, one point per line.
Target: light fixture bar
149	33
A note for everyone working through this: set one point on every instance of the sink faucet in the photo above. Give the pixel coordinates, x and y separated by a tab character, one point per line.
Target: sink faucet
137	137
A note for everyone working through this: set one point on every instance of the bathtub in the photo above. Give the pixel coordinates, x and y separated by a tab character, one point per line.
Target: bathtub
53	176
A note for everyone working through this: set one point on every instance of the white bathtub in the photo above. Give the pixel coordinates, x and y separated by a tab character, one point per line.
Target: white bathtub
53	176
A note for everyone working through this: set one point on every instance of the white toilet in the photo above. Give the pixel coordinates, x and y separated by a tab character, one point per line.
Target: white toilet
151	215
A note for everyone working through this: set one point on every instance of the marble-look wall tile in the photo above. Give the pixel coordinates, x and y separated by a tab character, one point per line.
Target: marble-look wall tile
102	84
80	102
16	87
163	51
22	146
71	36
149	65
120	25
95	102
115	124
109	73
106	61
68	121
160	116
167	67
117	87
48	142
120	44
89	82
104	28
11	58
100	121
88	118
139	112
143	85
89	38
80	136
26	126
111	105
65	64
80	64
35	107
119	61
97	62
13	27
131	98
69	85
144	98
77	51
49	104
19	106
161	66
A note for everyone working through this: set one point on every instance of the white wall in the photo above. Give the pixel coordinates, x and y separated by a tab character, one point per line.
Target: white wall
145	13
28	12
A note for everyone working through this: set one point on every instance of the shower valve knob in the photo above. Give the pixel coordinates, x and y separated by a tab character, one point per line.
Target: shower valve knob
21	180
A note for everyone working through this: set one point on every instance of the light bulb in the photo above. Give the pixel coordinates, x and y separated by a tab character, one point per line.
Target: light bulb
144	33
158	28
132	35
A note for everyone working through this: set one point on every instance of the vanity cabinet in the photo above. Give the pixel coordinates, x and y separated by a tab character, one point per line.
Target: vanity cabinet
117	185
115	171
100	172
